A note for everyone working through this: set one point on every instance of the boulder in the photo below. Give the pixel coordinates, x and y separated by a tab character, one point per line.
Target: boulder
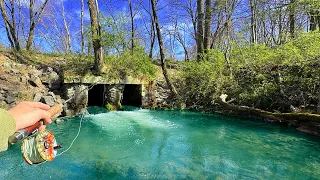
49	100
6	64
51	78
36	82
52	95
37	97
2	97
10	100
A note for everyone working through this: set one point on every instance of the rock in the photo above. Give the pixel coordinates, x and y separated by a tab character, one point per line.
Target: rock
58	99
23	79
10	99
48	100
13	71
36	82
34	73
49	69
3	78
1	97
6	64
37	97
3	90
52	79
53	96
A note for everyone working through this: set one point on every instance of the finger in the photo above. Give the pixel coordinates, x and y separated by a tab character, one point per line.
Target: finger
47	121
39	105
42	127
44	115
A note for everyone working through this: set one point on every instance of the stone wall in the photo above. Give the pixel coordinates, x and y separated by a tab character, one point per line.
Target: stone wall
148	95
78	95
114	94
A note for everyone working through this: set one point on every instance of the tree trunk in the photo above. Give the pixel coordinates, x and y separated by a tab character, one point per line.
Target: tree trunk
9	36
253	6
153	39
132	26
67	37
318	18
162	57
96	37
200	19
292	18
11	29
207	26
34	19
313	21
305	122
82	29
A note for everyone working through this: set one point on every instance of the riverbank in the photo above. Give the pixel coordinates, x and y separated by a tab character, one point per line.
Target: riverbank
40	77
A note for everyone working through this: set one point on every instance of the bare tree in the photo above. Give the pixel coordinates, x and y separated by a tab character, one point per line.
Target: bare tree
253	25
132	26
96	36
34	19
81	24
207	26
10	24
67	38
162	57
149	26
181	40
200	19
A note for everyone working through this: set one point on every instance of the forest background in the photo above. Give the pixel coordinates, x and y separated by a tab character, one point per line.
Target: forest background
263	54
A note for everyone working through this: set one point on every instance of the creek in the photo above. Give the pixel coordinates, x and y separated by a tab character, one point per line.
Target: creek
152	144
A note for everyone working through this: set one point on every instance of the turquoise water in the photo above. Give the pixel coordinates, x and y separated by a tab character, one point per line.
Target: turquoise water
147	144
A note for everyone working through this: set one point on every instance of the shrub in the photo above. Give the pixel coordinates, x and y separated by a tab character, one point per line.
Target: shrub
263	77
138	64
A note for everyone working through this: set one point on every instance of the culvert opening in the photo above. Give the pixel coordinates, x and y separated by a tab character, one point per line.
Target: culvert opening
96	95
132	95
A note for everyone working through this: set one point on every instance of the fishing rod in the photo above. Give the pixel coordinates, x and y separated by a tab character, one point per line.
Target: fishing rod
40	146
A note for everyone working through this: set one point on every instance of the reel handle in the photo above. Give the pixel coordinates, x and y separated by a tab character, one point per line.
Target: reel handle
22	133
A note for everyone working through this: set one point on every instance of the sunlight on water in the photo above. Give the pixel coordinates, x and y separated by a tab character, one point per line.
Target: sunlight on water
146	144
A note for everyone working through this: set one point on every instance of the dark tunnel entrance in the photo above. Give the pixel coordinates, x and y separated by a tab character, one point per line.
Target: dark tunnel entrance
96	95
132	95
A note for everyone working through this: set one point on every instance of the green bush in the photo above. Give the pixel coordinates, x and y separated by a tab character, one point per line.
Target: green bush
262	77
138	64
200	80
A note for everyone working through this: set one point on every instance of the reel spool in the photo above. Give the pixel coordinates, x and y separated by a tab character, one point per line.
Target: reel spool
39	148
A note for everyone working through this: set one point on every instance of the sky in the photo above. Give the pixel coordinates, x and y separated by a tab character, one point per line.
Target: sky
51	23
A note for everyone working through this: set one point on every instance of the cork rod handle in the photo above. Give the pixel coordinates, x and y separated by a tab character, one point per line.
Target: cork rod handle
55	109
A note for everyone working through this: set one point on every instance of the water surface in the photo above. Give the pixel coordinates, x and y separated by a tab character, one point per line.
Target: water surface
148	144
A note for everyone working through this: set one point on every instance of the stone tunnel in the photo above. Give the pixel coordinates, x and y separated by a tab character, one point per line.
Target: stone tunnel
99	91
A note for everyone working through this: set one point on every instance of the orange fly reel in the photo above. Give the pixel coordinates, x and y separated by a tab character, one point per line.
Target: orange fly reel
39	148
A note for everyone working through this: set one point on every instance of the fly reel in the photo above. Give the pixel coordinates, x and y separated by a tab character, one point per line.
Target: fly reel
39	148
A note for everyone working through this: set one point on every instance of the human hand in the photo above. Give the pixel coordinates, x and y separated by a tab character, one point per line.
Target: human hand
28	113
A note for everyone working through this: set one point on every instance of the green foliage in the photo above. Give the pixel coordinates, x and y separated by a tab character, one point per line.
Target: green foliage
114	33
138	64
201	79
262	77
4	106
111	107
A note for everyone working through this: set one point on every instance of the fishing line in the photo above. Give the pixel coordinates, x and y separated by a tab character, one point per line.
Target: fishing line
41	146
74	137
